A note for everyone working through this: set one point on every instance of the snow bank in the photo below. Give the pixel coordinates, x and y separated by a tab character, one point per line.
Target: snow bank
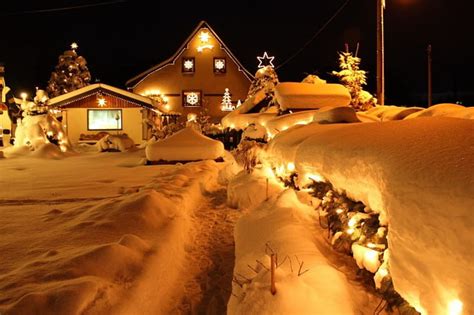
286	225
307	95
120	143
241	121
185	145
241	189
417	174
384	113
445	110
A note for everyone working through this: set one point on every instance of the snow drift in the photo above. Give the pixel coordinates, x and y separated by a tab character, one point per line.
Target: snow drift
185	145
295	95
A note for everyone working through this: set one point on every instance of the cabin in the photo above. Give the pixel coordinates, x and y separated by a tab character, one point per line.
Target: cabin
195	78
98	109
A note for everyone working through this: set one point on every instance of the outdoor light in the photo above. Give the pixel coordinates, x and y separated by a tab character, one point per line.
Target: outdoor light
24	95
204	38
265	60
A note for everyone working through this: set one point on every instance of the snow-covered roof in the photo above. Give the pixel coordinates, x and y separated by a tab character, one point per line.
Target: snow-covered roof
67	98
133	82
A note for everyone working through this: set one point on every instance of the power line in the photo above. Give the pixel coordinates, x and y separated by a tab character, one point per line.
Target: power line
65	8
313	37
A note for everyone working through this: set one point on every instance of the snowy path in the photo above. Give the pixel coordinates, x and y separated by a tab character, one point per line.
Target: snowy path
207	282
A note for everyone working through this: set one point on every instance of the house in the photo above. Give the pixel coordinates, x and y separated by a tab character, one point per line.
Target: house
99	108
195	78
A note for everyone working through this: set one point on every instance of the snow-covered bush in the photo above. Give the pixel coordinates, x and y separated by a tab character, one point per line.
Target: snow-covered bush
247	154
120	143
353	78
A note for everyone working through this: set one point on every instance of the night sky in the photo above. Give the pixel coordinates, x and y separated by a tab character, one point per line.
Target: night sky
123	38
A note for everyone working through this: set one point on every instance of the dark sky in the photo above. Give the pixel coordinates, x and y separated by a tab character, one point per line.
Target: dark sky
122	39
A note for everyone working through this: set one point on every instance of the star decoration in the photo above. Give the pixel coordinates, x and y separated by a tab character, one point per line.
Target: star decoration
219	64
204	37
265	60
188	64
74	46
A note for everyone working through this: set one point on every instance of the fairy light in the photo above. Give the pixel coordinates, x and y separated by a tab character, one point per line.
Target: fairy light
455	307
339	211
290	167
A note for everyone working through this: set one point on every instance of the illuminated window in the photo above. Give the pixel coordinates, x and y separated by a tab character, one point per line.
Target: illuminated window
219	65
188	65
191	98
104	119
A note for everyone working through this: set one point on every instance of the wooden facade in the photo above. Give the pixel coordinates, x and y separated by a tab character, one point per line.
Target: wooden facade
194	79
81	112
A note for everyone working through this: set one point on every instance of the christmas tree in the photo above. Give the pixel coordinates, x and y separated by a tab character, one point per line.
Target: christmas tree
353	78
70	74
227	102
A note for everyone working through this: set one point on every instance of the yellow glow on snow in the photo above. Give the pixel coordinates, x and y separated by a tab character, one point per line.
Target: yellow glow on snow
372	257
352	222
339	211
290	167
382	272
371	245
350	231
316	177
455	307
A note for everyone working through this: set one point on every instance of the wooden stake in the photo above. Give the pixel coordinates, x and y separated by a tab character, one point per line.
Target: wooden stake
266	194
273	289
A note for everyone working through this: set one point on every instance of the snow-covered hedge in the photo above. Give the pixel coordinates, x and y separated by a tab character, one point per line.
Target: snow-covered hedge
417	174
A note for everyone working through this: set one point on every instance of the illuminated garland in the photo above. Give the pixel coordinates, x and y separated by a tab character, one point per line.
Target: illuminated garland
355	230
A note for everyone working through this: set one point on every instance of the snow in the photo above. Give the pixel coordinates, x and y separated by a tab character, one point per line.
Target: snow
93	87
33	132
96	233
292	95
254	131
445	110
120	143
417	174
384	113
185	145
287	226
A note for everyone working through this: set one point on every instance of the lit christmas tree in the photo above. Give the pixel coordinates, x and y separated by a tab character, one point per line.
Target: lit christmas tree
70	74
226	104
353	78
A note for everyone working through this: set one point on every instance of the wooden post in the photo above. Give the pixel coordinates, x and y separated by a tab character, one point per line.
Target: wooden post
273	289
266	193
380	53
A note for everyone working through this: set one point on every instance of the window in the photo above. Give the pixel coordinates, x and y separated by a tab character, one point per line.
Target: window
188	65
104	119
192	98
219	65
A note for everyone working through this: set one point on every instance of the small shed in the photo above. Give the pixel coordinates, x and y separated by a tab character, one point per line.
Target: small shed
98	109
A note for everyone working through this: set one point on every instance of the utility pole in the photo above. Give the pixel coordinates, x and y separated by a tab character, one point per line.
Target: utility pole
380	52
430	91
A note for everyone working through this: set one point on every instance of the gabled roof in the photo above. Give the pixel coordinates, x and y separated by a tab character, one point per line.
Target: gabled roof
70	97
133	82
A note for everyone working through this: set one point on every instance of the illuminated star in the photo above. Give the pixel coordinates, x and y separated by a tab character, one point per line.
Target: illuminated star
204	37
265	60
74	46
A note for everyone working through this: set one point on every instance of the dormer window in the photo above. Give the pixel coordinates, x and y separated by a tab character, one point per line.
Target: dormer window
188	65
